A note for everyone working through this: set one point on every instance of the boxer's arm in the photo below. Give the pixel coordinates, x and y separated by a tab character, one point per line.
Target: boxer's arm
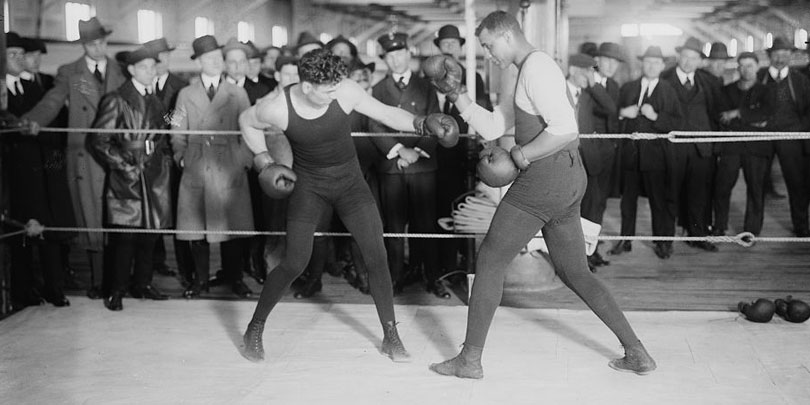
351	94
268	112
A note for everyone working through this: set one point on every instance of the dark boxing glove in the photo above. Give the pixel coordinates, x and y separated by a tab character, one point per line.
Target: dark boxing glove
796	311
760	311
442	126
276	180
444	74
495	167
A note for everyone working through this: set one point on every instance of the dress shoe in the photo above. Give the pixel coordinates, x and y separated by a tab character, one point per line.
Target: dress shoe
707	246
241	289
94	293
258	273
218	279
58	301
663	250
438	289
113	302
195	290
309	289
149	292
596	260
621	247
254	348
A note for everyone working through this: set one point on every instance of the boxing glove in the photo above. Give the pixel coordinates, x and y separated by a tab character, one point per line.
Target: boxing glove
445	75
442	126
495	167
797	310
276	180
760	311
781	306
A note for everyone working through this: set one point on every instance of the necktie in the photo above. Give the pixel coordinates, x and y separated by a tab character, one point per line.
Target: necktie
642	97
18	88
97	74
211	92
401	83
688	84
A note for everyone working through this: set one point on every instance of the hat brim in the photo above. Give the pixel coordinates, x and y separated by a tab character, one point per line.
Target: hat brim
394	49
461	40
197	55
650	56
103	34
619	58
699	51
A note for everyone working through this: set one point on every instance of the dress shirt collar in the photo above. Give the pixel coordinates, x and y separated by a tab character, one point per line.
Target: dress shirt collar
91	65
778	74
160	81
682	76
141	88
240	82
11	82
406	77
209	80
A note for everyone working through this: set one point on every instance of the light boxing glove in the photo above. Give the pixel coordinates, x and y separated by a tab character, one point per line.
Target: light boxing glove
495	167
276	180
442	126
445	75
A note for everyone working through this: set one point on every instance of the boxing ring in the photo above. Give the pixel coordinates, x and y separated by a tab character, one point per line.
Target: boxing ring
552	350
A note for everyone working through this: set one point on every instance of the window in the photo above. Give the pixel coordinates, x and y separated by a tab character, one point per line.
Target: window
799	38
707	48
279	35
325	37
749	44
732	47
203	26
768	40
371	47
245	31
6	26
150	25
75	12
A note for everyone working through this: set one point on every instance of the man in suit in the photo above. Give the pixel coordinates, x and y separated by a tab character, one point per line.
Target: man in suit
456	165
701	103
269	61
408	173
214	192
34	49
649	104
80	85
789	93
306	42
750	112
236	69
597	113
167	85
137	194
254	71
37	186
716	61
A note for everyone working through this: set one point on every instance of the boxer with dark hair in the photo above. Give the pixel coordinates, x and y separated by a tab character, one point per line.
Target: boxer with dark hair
316	165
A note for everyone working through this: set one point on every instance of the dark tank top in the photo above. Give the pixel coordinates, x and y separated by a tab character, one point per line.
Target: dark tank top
321	142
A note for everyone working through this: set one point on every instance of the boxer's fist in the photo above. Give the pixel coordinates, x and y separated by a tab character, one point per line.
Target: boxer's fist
442	126
277	181
444	74
496	168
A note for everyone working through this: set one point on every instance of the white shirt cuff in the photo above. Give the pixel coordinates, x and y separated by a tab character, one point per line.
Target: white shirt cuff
394	152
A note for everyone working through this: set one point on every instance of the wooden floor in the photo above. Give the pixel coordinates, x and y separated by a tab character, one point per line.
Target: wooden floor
189	352
690	280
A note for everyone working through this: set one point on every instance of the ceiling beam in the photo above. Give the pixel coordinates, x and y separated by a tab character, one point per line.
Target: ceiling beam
794	23
751	29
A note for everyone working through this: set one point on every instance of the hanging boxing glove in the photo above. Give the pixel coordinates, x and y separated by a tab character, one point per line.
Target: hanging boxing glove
760	311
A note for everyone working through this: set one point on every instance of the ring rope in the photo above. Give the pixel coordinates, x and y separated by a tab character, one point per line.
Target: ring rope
745	239
674	136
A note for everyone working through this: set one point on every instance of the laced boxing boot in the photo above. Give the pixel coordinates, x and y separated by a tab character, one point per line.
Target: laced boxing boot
254	349
635	360
392	345
466	365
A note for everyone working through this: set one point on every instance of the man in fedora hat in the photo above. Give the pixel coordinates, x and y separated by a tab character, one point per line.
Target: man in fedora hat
137	195
598	114
214	192
749	111
790	100
36	188
701	103
254	71
167	85
716	61
648	104
408	172
456	164
342	47
306	42
34	49
269	57
236	69
80	85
